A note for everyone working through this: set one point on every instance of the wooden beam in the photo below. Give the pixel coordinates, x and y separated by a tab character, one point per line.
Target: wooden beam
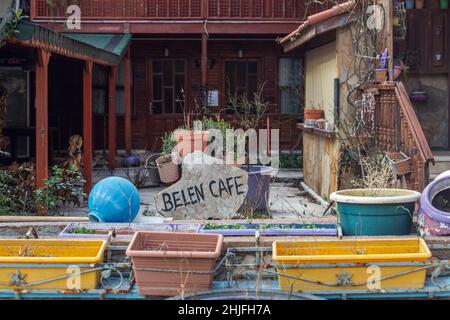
58	50
181	27
389	34
43	59
128	137
112	118
204	63
321	28
87	125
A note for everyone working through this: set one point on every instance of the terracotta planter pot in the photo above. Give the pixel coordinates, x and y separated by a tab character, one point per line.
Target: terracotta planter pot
189	141
380	75
420	4
168	171
172	264
397	72
313	114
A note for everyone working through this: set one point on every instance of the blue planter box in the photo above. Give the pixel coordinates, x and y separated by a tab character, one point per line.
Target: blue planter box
274	229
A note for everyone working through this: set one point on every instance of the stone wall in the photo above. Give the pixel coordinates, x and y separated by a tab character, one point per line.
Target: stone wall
433	113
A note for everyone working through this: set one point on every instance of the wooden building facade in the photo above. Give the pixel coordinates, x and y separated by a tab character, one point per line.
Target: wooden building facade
181	50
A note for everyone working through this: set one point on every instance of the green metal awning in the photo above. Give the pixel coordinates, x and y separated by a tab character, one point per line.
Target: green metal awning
114	43
107	48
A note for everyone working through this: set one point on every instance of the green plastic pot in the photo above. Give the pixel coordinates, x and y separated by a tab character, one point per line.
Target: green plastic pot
444	4
376	212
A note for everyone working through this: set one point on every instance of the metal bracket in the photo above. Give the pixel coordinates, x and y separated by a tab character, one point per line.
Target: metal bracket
31	233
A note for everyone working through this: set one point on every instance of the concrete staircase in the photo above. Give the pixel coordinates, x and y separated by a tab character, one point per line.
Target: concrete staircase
442	163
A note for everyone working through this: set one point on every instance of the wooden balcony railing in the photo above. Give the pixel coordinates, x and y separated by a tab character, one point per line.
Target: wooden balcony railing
398	129
294	10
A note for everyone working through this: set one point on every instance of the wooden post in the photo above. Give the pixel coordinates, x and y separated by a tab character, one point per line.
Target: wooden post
112	118
128	141
388	34
204	63
43	59
87	125
33	11
268	135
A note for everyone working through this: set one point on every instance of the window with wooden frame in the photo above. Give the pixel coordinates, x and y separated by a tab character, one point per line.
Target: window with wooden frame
290	84
100	90
168	86
241	78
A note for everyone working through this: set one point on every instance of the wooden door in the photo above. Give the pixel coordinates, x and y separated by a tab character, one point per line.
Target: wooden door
167	80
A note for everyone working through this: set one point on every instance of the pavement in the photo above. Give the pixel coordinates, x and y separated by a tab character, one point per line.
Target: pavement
288	200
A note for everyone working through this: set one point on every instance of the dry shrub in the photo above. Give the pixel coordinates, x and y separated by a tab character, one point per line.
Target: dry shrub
376	172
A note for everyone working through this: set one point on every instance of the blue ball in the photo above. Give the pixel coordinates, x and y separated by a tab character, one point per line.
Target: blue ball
114	199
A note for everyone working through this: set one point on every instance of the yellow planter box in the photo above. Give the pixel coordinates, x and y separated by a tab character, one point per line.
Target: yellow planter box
351	264
38	262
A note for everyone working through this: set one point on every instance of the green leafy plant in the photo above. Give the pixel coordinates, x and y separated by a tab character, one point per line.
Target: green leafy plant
291	160
12	24
18	194
82	230
168	143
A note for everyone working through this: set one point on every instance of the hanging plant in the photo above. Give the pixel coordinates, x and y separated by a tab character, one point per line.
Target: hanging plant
10	27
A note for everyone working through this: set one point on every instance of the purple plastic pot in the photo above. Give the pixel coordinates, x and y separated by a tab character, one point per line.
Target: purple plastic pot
441	183
276	229
259	178
131	160
130	229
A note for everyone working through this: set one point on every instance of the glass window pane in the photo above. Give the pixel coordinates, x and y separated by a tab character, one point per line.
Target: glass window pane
157	66
157	107
99	76
157	88
241	74
168	100
120	101
252	86
99	101
168	73
253	67
290	84
121	74
179	66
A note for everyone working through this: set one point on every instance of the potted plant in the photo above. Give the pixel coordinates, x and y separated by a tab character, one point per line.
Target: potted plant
381	73
44	262
131	160
190	137
167	168
273	229
400	163
420	4
172	264
152	170
189	141
311	265
249	112
313	113
120	231
376	212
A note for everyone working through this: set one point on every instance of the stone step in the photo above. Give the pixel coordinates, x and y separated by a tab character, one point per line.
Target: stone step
442	163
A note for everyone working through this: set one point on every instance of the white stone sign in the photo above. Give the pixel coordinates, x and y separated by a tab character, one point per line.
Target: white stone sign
207	189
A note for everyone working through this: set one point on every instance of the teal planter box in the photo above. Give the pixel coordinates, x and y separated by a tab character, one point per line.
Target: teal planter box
376	212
